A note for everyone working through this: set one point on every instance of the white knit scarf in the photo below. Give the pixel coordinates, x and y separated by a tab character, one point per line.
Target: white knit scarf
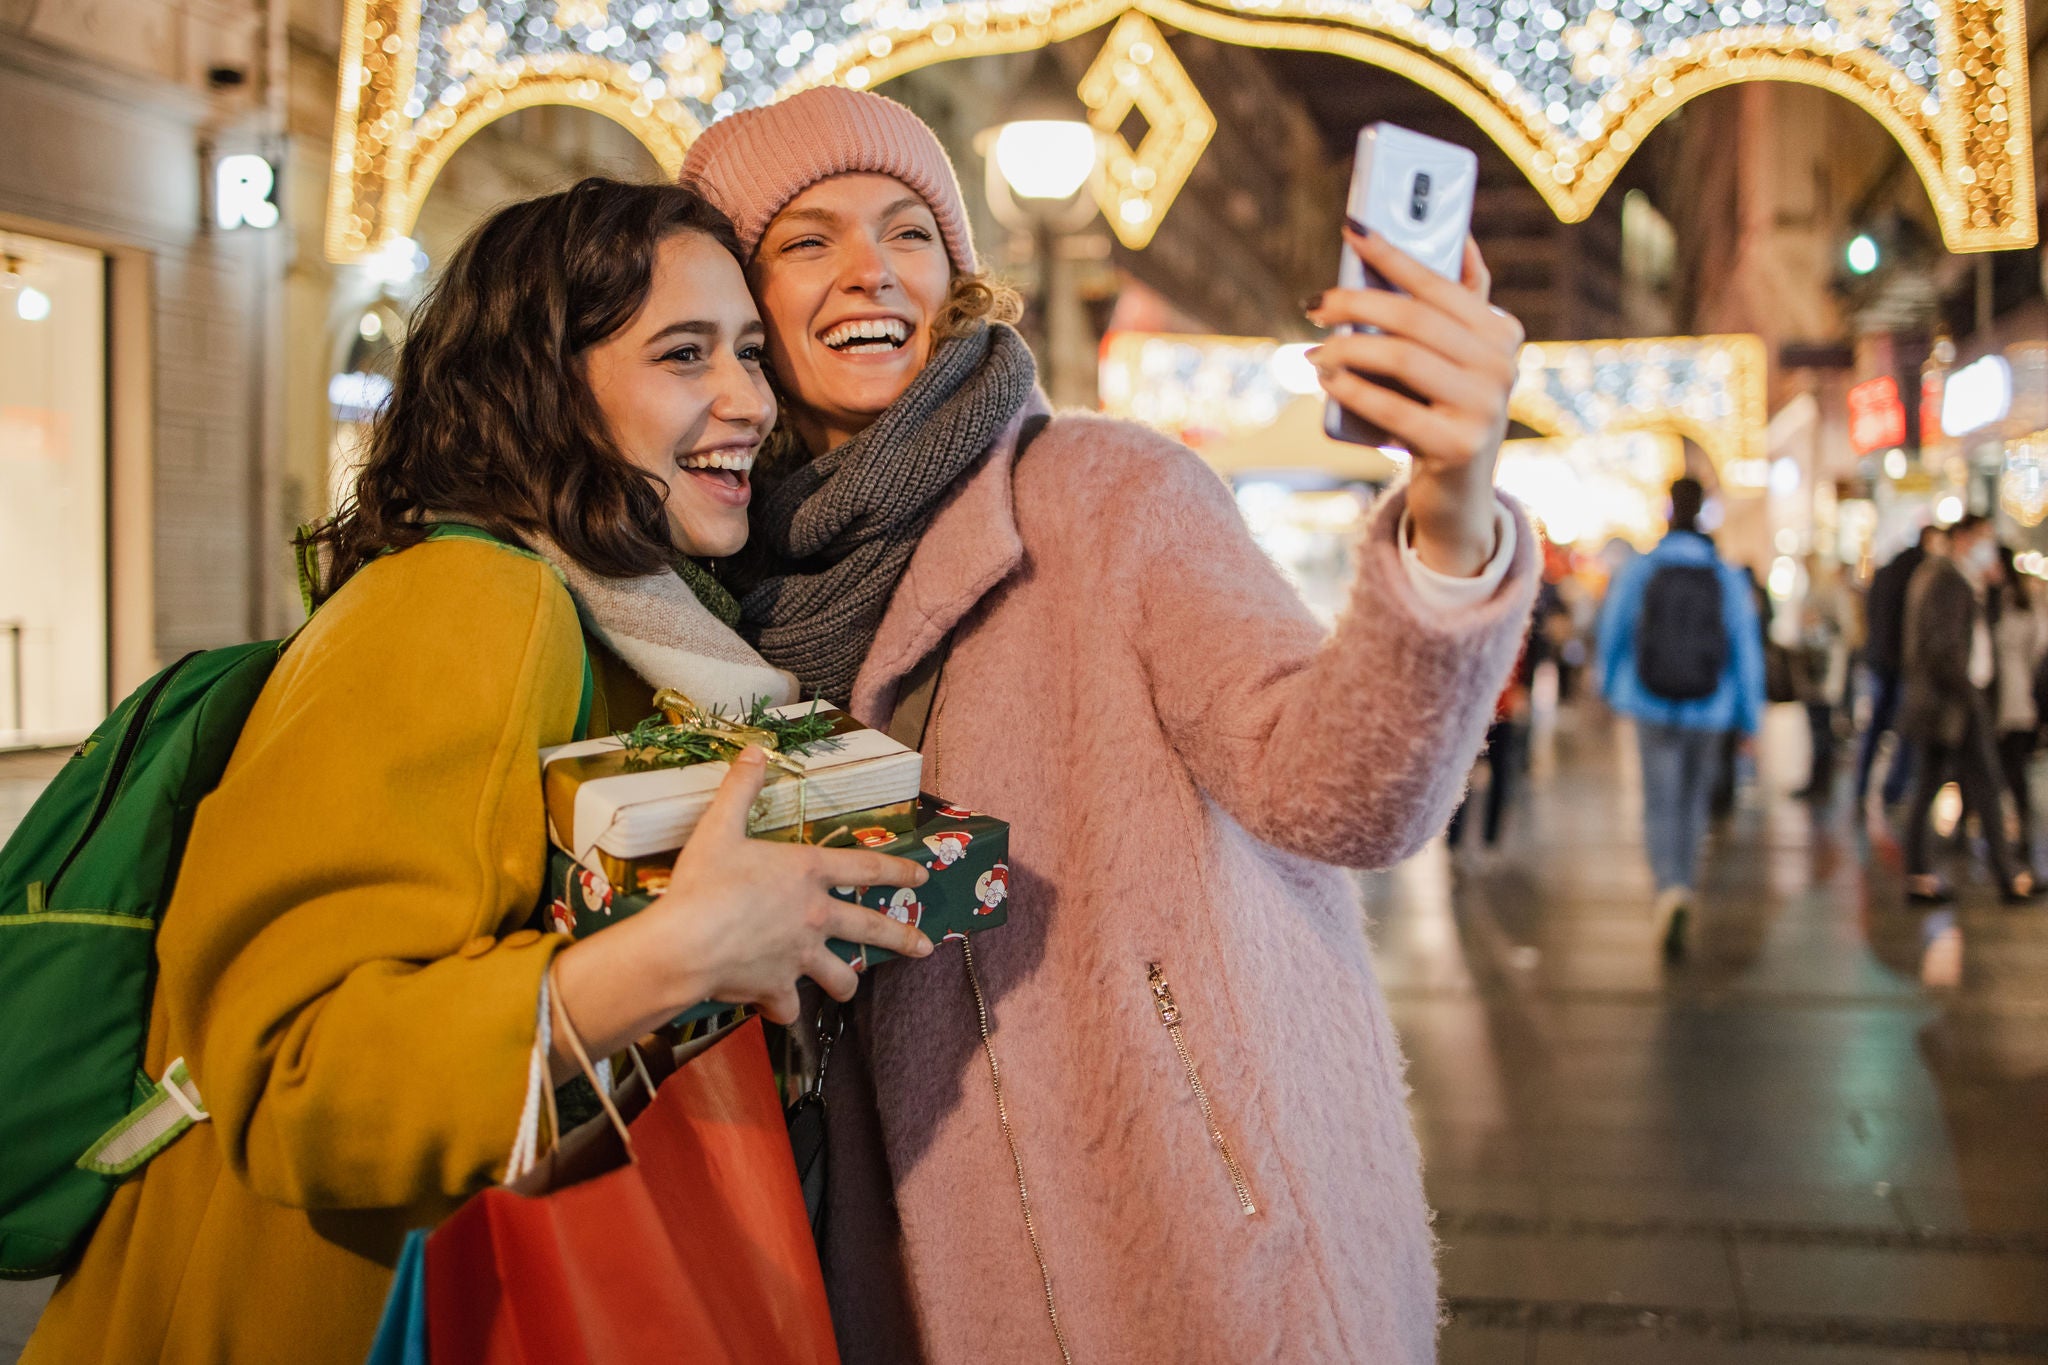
666	636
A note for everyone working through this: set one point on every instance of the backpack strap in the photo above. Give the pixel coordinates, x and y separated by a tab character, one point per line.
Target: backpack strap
168	1108
462	530
307	557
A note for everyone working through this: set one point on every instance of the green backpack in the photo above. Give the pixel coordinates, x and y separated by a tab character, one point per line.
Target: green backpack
84	882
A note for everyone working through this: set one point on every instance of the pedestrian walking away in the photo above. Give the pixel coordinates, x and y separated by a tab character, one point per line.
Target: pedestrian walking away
1682	655
2020	636
1884	614
1821	669
1507	742
1950	663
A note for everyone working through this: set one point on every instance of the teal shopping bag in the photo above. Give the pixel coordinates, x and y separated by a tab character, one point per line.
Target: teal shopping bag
402	1333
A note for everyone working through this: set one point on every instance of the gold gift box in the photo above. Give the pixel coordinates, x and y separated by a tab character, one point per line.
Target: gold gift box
628	813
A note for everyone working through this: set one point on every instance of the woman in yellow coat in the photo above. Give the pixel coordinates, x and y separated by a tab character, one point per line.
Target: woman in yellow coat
343	965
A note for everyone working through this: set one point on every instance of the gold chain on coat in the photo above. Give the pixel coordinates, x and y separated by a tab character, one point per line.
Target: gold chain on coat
1170	1015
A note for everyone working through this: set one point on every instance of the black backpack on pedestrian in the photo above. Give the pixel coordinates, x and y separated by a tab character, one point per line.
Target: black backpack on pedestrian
1681	635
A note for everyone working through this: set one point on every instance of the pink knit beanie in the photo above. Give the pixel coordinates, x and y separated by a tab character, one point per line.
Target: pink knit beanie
751	164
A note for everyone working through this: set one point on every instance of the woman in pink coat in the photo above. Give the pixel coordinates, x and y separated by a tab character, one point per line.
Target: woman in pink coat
1196	1147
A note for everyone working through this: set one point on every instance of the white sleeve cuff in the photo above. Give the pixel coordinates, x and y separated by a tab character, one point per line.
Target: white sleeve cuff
1447	592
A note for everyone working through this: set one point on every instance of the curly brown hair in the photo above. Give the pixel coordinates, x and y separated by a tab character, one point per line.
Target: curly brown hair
491	421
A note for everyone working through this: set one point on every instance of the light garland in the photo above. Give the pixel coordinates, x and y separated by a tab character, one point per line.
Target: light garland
1194	387
2023	483
1568	88
1137	70
1595	397
1708	388
1586	490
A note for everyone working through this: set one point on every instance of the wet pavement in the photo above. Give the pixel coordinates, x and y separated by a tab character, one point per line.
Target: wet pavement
1790	1148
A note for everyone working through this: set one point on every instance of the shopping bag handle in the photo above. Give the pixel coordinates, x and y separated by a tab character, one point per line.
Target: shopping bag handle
562	1022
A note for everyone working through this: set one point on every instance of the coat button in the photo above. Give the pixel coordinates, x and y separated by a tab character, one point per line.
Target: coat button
520	938
478	946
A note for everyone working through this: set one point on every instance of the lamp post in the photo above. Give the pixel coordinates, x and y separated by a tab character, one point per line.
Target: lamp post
1040	161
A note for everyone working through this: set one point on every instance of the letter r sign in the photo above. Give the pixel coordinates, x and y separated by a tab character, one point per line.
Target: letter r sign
242	186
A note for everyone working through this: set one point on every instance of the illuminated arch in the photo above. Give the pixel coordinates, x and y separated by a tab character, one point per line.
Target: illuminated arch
1708	389
584	84
386	157
1946	78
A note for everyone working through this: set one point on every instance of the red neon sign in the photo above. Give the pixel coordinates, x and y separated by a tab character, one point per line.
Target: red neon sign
1932	385
1877	415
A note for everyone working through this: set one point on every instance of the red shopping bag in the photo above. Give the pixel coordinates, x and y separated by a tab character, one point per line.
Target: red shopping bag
687	1241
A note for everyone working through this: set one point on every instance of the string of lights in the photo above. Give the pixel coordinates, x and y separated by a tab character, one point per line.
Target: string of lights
1568	88
1709	388
1589	396
2023	483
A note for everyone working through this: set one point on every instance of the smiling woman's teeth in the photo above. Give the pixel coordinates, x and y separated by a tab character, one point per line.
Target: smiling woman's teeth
859	338
719	459
728	467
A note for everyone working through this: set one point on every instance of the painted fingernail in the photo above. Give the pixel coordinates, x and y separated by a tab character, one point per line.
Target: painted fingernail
1356	226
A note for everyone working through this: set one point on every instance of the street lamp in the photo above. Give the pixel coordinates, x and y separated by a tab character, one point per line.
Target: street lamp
1040	158
1041	154
1045	158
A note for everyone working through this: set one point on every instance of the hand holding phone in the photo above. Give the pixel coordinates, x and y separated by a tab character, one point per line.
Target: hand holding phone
1415	192
1419	357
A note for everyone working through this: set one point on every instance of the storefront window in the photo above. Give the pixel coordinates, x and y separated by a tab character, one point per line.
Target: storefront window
53	491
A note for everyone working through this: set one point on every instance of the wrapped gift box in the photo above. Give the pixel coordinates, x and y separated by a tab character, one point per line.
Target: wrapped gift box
625	813
968	854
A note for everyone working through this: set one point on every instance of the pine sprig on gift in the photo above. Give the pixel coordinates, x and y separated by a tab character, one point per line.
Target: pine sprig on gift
656	742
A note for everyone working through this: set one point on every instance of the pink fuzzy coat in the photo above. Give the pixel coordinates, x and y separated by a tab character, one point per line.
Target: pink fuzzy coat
1186	759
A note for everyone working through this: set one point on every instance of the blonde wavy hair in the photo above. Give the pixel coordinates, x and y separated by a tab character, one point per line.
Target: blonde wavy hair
975	298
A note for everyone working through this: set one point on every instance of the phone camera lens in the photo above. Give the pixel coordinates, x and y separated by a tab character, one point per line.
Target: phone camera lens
1418	198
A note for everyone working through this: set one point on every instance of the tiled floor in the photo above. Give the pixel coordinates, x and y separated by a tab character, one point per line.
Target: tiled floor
1788	1149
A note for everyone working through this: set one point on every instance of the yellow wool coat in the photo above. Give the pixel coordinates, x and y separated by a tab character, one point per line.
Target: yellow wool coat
343	968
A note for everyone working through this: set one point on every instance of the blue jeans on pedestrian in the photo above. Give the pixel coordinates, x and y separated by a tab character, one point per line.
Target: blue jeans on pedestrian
1678	785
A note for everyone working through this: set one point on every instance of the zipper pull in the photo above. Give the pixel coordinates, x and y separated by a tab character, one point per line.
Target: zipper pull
1162	995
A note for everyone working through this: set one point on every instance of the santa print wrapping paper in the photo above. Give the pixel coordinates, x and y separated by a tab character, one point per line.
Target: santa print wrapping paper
968	854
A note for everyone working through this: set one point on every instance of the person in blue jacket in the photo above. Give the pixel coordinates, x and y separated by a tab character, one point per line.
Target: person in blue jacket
1682	655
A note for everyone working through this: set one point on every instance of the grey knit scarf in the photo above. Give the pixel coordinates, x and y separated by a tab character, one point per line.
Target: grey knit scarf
832	537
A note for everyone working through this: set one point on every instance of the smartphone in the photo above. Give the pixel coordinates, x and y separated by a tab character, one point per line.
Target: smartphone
1415	191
